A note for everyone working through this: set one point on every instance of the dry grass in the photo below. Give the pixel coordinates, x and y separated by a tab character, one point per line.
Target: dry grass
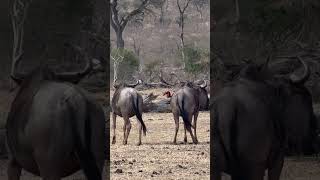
157	157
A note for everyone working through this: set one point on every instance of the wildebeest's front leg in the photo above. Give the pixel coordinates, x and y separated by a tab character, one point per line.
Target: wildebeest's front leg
195	117
126	129
14	170
176	121
114	117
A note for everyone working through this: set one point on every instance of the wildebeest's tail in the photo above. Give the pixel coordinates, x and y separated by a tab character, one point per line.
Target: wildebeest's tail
184	114
135	105
82	132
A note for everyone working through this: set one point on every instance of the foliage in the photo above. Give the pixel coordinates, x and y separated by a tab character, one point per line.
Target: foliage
196	59
128	65
152	66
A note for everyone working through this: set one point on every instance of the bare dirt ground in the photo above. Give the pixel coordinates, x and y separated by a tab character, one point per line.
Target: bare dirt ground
157	157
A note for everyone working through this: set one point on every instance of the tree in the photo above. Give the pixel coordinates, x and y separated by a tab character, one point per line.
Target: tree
182	8
119	20
117	59
200	5
18	18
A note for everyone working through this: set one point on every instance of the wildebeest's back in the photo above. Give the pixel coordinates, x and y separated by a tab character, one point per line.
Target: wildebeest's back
244	136
124	100
49	119
189	98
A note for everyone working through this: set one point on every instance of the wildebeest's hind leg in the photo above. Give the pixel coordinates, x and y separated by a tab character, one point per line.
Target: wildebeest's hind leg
49	166
126	129
140	132
185	135
14	170
176	122
114	117
194	140
195	117
274	171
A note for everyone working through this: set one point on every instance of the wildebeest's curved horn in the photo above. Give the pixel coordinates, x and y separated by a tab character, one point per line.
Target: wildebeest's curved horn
136	84
302	79
204	85
75	77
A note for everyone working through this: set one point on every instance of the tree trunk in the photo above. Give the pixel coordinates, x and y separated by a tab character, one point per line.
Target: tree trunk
115	71
237	10
120	41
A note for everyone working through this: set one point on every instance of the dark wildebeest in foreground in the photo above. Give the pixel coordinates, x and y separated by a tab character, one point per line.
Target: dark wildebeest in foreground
186	102
127	102
55	128
257	117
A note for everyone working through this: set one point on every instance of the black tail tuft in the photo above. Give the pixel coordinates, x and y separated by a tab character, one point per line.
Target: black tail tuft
184	115
139	115
88	165
83	146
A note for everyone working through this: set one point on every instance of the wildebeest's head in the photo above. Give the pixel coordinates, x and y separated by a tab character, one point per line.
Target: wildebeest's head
292	104
300	121
121	85
203	96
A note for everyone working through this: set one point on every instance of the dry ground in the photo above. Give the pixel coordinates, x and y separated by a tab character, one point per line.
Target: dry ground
157	157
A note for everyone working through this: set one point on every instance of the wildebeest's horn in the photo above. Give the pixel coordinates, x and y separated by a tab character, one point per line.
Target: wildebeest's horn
136	84
204	85
300	80
76	76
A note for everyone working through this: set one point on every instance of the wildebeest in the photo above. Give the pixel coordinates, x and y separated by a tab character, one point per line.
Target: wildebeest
186	102
54	128
256	119
127	102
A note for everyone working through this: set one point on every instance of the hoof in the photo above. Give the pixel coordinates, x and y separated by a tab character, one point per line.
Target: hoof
138	144
113	140
174	142
185	140
124	143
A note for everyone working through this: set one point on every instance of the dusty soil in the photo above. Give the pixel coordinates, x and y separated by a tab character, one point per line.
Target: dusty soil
157	157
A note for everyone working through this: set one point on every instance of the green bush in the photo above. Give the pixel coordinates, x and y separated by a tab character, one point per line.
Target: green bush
127	66
196	59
